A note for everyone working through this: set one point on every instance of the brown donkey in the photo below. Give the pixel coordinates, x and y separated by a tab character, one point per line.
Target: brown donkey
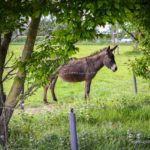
83	69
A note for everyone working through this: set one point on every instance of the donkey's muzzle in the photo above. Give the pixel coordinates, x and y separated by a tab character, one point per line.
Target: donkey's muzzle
114	68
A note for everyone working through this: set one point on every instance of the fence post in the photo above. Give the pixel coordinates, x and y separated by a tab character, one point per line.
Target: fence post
73	131
22	98
134	83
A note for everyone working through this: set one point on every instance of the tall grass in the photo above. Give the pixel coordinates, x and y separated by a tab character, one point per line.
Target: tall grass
121	124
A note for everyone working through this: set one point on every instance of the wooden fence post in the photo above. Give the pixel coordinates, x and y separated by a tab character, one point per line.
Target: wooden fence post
73	131
134	83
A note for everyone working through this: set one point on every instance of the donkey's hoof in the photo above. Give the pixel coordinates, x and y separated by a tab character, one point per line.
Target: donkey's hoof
45	101
55	100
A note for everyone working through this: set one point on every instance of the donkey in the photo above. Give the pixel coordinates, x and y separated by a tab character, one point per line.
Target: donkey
83	69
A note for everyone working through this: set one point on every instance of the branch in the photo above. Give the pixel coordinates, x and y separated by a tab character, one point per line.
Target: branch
131	34
9	73
9	67
15	37
9	59
30	91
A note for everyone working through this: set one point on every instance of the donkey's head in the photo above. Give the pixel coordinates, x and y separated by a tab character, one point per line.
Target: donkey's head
109	59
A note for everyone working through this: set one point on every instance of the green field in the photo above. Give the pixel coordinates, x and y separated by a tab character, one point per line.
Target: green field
114	117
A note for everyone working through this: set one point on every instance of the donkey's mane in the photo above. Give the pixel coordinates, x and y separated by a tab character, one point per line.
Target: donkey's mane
92	54
97	52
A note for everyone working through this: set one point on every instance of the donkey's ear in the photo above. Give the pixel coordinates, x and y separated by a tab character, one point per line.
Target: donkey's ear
108	48
114	48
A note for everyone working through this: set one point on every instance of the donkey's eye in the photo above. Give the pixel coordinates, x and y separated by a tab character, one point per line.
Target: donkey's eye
111	58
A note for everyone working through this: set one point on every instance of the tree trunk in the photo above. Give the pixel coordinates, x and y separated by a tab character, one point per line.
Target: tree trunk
11	100
3	52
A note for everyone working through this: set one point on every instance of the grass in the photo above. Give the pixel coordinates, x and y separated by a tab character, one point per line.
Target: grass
120	124
115	118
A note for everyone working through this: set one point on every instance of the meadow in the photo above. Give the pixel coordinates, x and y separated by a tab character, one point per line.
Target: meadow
114	117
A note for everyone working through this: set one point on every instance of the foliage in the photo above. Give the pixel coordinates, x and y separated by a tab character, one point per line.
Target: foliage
47	59
141	18
9	18
141	66
15	14
83	17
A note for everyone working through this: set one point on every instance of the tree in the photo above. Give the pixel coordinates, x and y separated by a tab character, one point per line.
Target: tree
28	48
3	52
141	19
19	79
9	21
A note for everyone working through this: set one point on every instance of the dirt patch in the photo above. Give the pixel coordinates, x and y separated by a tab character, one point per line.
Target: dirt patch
43	109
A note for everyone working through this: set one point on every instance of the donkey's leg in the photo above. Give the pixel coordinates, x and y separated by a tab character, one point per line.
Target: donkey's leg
45	94
87	88
52	87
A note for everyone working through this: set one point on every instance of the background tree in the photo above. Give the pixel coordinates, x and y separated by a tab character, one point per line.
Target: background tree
47	25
